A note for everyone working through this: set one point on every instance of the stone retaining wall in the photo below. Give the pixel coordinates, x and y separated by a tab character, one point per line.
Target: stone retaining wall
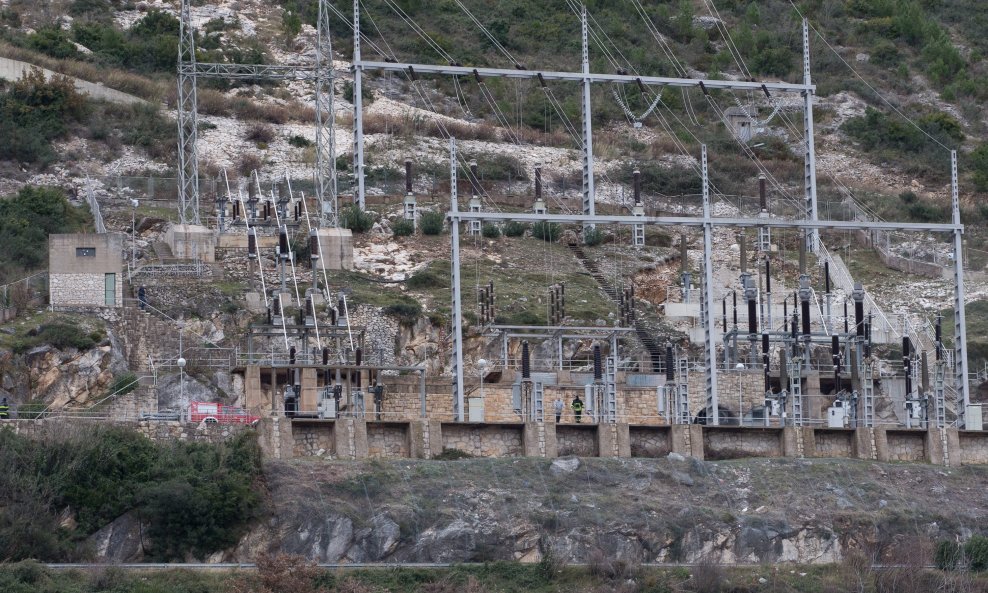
314	440
388	441
649	442
484	440
156	431
729	443
833	443
974	448
574	440
906	446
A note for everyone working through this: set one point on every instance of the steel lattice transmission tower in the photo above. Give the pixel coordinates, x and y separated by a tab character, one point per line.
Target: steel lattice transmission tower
188	157
320	72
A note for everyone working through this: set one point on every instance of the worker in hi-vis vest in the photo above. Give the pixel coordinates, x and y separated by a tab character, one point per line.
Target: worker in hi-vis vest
577	408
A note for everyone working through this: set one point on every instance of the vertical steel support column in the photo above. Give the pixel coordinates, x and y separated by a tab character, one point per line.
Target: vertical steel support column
454	231
325	120
707	302
188	155
809	166
961	380
358	113
588	186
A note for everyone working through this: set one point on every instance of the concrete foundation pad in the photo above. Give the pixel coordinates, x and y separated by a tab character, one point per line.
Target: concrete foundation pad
189	241
336	249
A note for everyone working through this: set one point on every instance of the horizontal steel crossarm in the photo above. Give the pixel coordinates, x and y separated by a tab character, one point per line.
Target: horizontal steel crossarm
784	87
696	221
568	328
235	71
597	336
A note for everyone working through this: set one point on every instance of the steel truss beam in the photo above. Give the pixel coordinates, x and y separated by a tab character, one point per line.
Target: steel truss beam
241	71
699	222
738	85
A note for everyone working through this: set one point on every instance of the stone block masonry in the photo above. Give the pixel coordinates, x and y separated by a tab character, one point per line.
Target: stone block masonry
906	445
484	440
388	440
974	448
647	441
731	443
576	440
313	440
81	290
833	443
350	438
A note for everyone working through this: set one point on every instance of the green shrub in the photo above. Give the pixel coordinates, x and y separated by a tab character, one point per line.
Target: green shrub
52	41
33	112
402	227
498	167
978	164
426	278
299	141
123	384
355	219
513	228
65	335
947	555
547	231
432	222
452	455
407	311
193	498
491	231
976	551
592	236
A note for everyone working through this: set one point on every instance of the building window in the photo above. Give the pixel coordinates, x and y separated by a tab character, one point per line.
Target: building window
85	252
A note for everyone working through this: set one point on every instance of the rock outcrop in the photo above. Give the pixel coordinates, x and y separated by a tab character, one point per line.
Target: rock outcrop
635	510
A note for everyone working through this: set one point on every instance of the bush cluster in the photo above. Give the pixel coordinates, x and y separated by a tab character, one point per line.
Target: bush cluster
547	231
514	228
402	228
491	231
34	112
26	220
432	222
407	311
355	219
195	498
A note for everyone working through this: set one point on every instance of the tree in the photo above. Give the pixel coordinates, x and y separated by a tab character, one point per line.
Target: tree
978	163
291	25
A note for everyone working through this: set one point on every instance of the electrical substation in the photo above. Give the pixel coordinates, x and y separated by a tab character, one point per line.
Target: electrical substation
790	356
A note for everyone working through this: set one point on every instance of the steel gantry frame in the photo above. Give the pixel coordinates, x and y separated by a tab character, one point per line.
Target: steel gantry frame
190	70
707	223
586	78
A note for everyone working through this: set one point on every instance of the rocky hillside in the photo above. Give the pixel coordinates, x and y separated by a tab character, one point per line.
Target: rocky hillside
637	511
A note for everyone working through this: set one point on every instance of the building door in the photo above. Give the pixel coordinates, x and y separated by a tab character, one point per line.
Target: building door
110	288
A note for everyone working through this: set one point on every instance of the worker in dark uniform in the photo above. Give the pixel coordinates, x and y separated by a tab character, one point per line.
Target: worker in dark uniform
4	409
142	298
378	391
577	408
337	396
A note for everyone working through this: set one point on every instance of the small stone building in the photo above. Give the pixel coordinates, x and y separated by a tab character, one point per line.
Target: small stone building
85	270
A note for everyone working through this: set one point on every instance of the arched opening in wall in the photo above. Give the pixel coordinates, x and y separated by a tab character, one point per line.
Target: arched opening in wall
725	416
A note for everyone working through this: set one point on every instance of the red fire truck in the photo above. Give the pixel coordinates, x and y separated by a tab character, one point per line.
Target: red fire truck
219	413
